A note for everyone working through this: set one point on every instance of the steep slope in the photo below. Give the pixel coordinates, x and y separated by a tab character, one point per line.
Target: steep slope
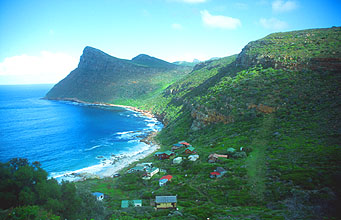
100	77
279	100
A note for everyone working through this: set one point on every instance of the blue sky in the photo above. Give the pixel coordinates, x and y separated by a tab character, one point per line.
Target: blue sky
41	41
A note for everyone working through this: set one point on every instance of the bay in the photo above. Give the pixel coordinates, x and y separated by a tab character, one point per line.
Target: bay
67	137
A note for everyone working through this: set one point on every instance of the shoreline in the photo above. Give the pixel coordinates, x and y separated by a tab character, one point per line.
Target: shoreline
116	163
144	112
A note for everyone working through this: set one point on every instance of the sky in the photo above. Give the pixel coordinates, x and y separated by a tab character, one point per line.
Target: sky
41	41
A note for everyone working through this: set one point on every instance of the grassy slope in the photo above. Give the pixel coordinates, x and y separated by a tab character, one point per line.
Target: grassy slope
292	170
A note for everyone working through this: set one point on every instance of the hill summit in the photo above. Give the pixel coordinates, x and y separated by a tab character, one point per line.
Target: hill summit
100	77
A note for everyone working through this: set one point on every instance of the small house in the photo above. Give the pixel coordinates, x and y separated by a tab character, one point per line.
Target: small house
131	203
164	155
190	150
165	202
99	196
219	172
214	157
184	143
152	171
177	160
163	180
176	146
214	174
193	157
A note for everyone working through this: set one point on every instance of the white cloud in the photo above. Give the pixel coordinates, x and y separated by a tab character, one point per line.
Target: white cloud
273	23
46	68
219	21
283	6
177	26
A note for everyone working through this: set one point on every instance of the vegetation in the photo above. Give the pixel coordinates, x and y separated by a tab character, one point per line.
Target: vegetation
30	195
277	104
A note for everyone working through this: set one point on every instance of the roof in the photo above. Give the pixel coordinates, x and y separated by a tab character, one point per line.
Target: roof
190	148
177	145
137	201
215	173
168	152
150	170
124	204
165	199
97	194
220	169
168	177
184	143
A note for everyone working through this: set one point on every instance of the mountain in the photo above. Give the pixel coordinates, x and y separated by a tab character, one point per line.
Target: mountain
279	101
100	77
277	104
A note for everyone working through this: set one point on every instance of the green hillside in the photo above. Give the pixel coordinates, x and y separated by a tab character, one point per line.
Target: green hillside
274	109
280	100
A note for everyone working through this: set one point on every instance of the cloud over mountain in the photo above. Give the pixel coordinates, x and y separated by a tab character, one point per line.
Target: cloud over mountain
219	21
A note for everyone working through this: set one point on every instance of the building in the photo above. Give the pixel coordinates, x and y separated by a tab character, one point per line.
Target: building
165	202
131	203
99	196
151	172
190	150
214	157
184	143
177	160
162	182
164	155
219	172
193	157
177	146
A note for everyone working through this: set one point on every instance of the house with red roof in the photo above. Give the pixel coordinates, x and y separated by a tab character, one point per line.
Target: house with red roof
163	180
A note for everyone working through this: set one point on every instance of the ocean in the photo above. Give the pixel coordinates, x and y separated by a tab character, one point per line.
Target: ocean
72	141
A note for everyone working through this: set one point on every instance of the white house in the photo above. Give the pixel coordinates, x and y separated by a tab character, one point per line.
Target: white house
177	160
193	157
99	196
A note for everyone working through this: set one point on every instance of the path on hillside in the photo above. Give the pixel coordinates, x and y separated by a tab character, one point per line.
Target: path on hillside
255	163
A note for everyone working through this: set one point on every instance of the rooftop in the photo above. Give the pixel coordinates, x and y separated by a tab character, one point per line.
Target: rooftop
165	199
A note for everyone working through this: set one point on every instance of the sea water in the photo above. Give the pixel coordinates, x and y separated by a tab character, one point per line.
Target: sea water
70	138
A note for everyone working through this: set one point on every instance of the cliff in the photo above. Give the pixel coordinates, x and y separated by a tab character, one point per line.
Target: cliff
100	77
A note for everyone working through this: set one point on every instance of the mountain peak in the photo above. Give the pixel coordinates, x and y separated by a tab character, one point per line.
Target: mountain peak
146	60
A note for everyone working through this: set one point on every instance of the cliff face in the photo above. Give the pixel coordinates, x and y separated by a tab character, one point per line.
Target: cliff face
274	73
100	77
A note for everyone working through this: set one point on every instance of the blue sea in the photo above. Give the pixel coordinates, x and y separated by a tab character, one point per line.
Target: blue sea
70	138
